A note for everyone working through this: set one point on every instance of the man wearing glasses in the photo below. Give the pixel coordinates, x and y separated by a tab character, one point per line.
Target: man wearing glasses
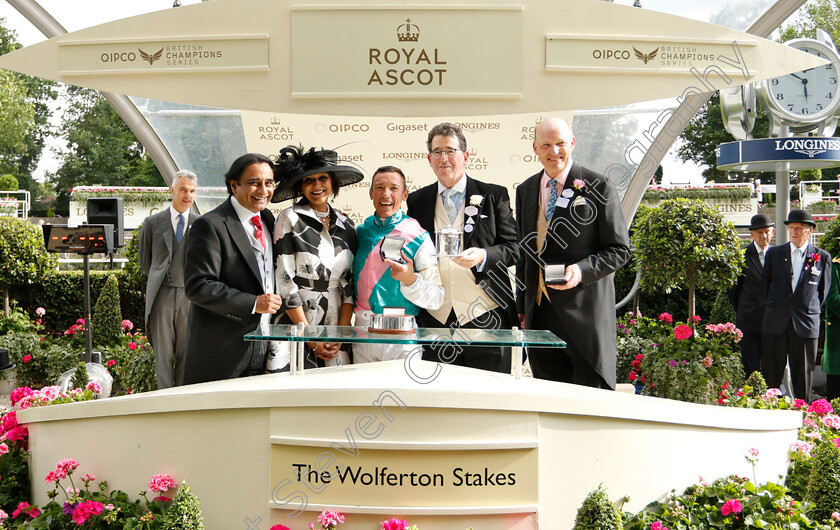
477	282
229	276
796	277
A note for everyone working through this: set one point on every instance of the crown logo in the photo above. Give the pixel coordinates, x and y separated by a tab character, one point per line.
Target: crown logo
408	32
275	120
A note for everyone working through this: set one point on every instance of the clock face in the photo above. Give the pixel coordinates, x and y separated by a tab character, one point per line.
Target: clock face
810	95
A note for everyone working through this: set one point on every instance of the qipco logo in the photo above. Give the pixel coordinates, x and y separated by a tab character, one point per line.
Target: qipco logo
118	57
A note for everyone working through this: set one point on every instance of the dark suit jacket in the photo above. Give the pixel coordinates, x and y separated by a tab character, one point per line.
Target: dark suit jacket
594	236
747	295
222	280
496	233
157	246
801	306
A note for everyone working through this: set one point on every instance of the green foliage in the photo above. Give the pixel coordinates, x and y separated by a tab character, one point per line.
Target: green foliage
184	513
23	258
722	310
705	132
8	183
135	368
80	376
702	505
146	198
822	206
107	319
62	293
824	484
39	362
635	336
17	118
828	241
598	512
707	245
101	149
693	367
721	192
16	321
132	273
14	468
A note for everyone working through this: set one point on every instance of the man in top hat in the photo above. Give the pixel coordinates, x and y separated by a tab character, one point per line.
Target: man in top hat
747	295
796	277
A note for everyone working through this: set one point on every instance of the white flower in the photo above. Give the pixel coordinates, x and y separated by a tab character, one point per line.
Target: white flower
475	200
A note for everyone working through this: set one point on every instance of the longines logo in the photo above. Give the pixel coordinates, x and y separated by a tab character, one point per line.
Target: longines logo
410	65
480	126
808	146
150	58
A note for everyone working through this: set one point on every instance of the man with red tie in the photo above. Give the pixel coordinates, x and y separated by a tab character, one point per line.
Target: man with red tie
229	276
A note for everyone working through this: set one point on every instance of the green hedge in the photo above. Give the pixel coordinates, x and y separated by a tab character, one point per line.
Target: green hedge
62	295
662	194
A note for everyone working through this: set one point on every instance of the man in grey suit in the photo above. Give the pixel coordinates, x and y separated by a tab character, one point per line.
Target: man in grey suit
161	253
229	276
569	216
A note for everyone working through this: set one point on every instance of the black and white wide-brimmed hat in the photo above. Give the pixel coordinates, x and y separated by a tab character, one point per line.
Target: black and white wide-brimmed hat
295	163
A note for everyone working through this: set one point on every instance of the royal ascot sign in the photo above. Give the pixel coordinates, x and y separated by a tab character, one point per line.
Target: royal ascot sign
144	56
767	154
406	52
583	53
390	478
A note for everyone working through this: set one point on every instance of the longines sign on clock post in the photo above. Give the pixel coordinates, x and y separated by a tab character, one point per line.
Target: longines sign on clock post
440	52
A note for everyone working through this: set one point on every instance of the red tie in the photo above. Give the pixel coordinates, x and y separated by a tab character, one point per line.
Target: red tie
259	229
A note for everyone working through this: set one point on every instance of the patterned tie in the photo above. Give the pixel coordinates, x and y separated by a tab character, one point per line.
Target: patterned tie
798	258
179	230
449	204
259	230
552	199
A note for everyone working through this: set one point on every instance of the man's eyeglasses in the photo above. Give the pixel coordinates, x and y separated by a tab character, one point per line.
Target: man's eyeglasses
448	153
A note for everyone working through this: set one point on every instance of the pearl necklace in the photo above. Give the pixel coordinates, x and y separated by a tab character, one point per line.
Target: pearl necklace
321	215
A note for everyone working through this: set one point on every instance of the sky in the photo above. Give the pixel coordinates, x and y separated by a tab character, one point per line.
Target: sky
79	14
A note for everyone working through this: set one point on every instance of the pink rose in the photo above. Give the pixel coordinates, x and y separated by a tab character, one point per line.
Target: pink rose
132	345
731	506
27	358
578	184
632	376
682	332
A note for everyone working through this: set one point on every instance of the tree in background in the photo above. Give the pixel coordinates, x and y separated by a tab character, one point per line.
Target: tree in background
22	160
101	149
17	119
685	243
23	258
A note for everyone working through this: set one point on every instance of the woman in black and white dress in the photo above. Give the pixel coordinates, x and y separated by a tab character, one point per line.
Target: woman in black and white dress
315	245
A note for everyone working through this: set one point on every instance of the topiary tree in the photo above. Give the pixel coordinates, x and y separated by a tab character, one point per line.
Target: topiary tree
685	243
722	310
824	482
107	318
184	513
23	258
8	183
598	512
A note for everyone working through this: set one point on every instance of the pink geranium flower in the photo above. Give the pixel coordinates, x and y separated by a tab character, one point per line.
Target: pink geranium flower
279	527
85	510
330	518
820	406
9	421
94	386
394	524
26	358
40	311
666	317
682	332
731	506
111	363
132	345
161	483
4	449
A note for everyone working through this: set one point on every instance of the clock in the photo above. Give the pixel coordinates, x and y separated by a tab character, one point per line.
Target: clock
807	100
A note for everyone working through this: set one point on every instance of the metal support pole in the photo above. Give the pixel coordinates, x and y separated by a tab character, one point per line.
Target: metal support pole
516	354
88	320
782	200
